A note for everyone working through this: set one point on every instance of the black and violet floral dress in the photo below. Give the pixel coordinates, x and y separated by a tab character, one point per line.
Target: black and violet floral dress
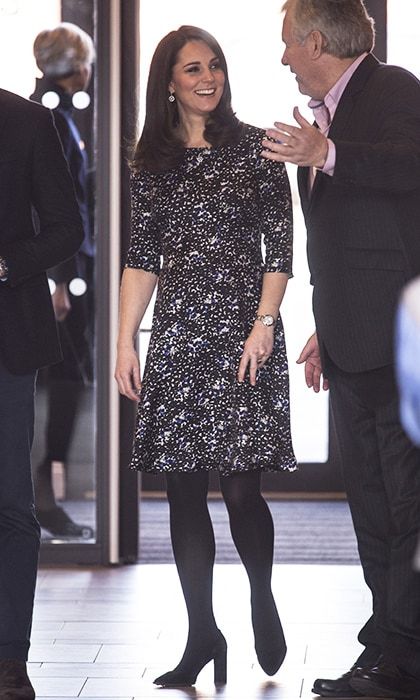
206	219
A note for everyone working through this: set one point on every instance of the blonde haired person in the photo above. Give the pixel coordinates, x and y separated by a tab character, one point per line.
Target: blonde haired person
64	51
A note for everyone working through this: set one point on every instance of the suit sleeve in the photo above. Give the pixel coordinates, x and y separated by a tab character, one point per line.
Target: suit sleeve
389	158
52	195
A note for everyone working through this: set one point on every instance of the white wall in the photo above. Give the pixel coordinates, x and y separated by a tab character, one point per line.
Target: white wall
20	22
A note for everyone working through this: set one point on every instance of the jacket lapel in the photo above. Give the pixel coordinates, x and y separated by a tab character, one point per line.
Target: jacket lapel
339	124
303	186
355	85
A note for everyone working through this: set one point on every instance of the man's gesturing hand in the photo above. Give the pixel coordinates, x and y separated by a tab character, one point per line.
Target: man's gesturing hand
302	145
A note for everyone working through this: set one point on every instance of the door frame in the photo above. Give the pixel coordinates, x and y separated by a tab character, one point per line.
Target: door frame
106	548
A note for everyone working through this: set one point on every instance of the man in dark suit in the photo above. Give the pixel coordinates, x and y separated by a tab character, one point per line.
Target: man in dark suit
33	175
359	182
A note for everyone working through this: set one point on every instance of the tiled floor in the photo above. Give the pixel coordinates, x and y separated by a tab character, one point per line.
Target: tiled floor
106	633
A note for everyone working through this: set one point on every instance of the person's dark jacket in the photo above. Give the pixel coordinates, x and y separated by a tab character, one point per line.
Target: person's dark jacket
363	223
33	174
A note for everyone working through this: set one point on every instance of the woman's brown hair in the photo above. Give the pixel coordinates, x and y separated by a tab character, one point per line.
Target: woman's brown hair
159	148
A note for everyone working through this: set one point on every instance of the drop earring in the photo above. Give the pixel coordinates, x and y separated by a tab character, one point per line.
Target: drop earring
171	97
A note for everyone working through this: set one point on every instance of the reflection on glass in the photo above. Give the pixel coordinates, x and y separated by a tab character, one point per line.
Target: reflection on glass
64	447
64	55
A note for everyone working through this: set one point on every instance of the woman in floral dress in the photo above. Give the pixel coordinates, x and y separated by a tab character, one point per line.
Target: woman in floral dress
214	393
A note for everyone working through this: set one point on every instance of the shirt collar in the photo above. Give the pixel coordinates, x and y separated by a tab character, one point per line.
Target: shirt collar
332	98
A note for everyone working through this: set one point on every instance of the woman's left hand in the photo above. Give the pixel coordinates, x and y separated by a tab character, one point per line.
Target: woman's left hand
257	350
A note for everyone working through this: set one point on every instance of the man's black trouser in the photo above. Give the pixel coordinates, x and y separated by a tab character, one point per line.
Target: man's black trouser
381	471
19	529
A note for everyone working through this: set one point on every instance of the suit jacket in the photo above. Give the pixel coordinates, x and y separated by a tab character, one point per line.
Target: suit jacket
363	223
33	174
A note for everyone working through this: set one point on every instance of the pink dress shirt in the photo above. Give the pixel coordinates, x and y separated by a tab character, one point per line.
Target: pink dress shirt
324	111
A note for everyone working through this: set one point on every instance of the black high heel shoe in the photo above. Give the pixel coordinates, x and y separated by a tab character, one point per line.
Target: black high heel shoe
270	644
185	674
270	655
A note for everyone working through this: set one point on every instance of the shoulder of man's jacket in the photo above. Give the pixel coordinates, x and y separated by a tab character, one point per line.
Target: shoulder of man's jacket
21	105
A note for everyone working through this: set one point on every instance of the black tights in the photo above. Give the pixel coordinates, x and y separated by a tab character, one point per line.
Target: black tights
193	545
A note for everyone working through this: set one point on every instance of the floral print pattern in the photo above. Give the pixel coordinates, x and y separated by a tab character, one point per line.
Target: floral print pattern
206	221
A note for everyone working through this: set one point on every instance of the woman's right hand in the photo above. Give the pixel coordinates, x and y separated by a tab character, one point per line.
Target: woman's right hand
127	373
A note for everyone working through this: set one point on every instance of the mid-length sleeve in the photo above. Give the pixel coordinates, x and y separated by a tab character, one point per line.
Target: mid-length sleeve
276	213
145	249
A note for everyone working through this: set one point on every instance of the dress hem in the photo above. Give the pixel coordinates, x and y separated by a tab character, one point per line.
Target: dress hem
223	472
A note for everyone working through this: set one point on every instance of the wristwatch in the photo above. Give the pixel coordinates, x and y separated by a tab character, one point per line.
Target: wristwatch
266	319
4	270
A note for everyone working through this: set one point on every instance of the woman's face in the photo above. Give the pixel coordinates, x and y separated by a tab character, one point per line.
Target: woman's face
197	80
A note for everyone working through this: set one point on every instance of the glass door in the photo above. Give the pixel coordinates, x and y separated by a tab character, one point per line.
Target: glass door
71	455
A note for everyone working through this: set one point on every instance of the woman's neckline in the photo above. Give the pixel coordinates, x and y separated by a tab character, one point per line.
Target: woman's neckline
198	148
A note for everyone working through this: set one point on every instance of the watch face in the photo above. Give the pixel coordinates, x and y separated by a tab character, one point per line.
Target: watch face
267	320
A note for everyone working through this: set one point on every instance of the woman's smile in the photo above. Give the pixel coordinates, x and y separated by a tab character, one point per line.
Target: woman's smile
197	74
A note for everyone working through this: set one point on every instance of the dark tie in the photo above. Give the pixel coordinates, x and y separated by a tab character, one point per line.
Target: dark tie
322	117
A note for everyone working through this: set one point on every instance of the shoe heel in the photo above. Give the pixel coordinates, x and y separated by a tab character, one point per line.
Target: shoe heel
220	667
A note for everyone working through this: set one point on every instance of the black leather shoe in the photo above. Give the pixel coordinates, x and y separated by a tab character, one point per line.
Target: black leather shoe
60	524
385	680
337	688
14	681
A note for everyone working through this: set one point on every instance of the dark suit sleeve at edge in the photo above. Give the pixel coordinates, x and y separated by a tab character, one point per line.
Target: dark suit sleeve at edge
52	195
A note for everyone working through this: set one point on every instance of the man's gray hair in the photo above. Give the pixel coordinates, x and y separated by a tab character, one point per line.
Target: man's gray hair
63	51
346	28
